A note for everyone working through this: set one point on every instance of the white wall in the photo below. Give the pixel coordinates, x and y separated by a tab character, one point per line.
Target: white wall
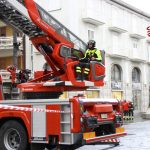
118	46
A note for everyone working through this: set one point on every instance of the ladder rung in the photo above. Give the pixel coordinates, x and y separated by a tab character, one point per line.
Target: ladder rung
65	122
65	132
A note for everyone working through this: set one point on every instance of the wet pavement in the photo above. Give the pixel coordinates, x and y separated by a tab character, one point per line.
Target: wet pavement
138	137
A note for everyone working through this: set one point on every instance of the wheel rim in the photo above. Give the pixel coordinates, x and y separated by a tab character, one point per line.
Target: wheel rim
12	139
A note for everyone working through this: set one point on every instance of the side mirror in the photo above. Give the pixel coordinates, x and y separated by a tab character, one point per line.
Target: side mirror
65	51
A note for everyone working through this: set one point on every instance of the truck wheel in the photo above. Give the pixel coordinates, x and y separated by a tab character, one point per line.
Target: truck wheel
13	136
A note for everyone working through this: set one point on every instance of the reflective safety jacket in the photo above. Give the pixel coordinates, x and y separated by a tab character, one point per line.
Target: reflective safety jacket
125	106
93	53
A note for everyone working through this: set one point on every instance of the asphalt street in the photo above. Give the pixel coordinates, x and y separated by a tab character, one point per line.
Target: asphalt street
138	137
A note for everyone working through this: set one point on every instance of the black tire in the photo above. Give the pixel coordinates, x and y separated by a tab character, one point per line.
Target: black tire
13	136
50	147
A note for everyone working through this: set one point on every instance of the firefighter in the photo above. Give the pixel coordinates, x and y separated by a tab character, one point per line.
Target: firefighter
131	110
83	68
24	75
125	106
12	69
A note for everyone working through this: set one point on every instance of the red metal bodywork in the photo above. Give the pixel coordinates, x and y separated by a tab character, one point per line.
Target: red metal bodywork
24	116
53	121
78	119
64	69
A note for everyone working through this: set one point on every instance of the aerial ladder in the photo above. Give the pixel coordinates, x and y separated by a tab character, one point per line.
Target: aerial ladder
60	47
62	50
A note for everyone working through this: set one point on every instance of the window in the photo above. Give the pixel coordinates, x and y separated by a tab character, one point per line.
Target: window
136	75
116	73
3	31
135	47
135	43
90	35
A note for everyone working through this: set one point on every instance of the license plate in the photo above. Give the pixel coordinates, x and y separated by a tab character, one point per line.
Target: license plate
120	130
88	135
104	116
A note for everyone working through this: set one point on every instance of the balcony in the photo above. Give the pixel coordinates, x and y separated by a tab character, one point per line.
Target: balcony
137	59
137	56
6	43
118	53
117	29
116	85
137	36
117	25
93	17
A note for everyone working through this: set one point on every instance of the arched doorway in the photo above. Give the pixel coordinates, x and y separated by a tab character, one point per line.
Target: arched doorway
116	81
136	88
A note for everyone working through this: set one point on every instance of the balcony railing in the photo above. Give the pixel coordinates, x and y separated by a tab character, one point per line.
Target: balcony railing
6	43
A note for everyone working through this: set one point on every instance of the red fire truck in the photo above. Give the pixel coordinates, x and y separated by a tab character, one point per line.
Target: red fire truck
31	114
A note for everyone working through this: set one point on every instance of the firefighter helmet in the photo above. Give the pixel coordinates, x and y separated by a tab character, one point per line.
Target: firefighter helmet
92	42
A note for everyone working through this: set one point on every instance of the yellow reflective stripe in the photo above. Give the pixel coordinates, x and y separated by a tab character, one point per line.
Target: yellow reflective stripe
93	51
98	53
86	72
87	51
78	71
87	69
78	67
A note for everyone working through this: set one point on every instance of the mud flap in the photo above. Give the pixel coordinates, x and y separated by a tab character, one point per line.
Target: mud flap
106	139
107	142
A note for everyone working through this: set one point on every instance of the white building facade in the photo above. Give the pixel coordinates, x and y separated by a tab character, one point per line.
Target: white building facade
120	30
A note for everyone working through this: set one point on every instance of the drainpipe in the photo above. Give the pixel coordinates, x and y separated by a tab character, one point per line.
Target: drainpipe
15	49
24	51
